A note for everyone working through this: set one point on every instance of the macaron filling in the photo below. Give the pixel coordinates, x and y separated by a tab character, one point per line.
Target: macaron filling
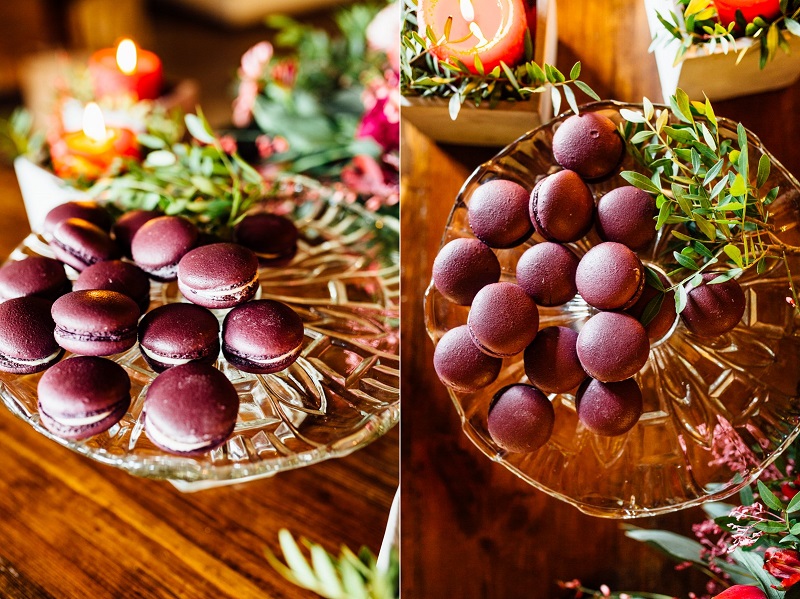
82	420
221	294
37	362
89	336
266	362
161	439
82	257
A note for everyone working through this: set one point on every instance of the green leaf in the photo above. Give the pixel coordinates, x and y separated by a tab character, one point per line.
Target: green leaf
652	309
555	96
584	87
685	262
755	565
151	141
648	108
681	298
652	279
641	136
663	214
768	497
576	71
295	559
794	506
509	73
739	187
632	116
734	253
198	129
702	250
570	96
792	26
454	106
326	572
674	545
705	227
713	172
770	527
640	181
709	139
684	136
763	170
682	99
160	159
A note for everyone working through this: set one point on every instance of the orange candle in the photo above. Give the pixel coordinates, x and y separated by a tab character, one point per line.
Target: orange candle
126	70
88	154
492	30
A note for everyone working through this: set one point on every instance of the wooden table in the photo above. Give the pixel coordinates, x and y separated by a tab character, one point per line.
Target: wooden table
470	527
70	527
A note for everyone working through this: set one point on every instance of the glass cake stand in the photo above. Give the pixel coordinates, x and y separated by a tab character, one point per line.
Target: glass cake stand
717	411
341	394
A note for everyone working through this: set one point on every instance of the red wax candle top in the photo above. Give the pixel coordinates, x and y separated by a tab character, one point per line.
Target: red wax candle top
766	9
126	70
493	30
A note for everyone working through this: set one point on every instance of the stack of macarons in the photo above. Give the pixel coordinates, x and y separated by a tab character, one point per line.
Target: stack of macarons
191	407
597	364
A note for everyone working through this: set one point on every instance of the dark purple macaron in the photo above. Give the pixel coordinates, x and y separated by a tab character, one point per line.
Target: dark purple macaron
261	337
273	238
663	320
85	210
462	268
159	245
128	224
35	275
220	275
462	366
115	275
561	207
713	310
498	213
176	334
79	243
190	409
610	277
626	215
503	319
612	346
27	344
609	409
589	144
83	396
521	418
95	323
546	272
551	361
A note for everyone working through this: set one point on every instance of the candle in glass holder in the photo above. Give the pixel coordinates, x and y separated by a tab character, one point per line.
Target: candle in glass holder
126	70
492	30
88	154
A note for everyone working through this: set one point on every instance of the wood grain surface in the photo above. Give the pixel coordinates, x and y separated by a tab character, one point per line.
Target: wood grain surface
470	527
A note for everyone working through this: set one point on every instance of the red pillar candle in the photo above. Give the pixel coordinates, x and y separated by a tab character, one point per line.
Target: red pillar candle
126	70
766	9
88	154
493	30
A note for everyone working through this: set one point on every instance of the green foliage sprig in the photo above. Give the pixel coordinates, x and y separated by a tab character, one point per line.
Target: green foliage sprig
18	138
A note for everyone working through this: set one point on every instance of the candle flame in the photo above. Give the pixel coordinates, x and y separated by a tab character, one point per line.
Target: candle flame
126	56
467	10
94	126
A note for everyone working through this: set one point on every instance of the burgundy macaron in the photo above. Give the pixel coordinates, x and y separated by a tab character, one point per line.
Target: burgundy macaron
272	237
612	346
627	215
85	210
261	337
551	360
116	275
609	409
610	277
546	272
713	310
521	418
589	144
561	207
35	275
83	396
462	268
176	334
80	244
220	275
190	409
128	224
27	344
159	245
503	319
498	213
95	323
662	322
462	366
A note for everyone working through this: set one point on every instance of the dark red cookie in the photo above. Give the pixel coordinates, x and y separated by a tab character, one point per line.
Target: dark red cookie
83	396
589	144
273	238
27	344
546	272
498	213
160	244
462	366
128	224
462	268
551	360
220	275
561	207
80	244
86	210
116	275
503	319
610	277
627	215
190	409
95	323
662	322
521	418
612	346
609	409
713	310
35	275
176	334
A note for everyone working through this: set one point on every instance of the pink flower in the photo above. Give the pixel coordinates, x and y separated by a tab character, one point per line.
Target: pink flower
365	176
228	144
741	591
268	146
244	102
783	564
255	59
381	120
285	73
383	33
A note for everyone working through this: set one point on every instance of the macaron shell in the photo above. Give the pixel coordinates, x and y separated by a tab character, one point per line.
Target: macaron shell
26	335
80	244
551	360
521	418
220	275
610	277
128	225
77	433
460	365
115	275
503	319
178	332
589	144
35	275
612	346
713	310
546	272
462	268
86	210
159	244
272	237
609	409
95	323
626	215
498	214
561	207
662	322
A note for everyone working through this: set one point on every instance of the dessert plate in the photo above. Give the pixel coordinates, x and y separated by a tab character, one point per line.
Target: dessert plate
717	411
341	394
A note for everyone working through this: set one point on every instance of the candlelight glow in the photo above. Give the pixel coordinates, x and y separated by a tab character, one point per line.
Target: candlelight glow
126	56
94	125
